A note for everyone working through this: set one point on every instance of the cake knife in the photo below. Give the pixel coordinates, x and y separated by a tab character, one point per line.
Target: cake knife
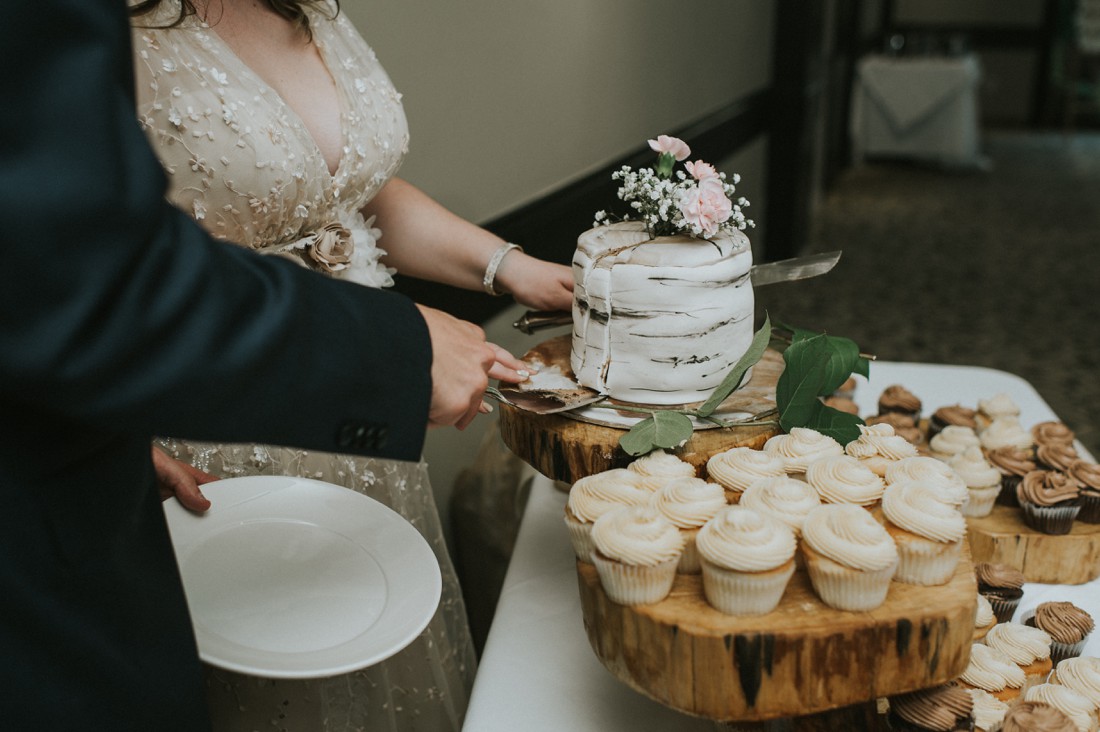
770	273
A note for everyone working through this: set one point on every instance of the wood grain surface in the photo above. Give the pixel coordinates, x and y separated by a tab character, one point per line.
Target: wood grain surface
1003	537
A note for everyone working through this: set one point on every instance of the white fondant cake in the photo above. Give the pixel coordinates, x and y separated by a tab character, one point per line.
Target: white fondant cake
659	321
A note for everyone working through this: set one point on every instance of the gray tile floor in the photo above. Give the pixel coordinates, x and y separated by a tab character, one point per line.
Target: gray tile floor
998	268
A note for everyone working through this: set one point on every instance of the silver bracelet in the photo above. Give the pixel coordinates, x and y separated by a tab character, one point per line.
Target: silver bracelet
494	263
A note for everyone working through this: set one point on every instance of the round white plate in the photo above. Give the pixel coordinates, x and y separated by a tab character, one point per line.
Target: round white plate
296	578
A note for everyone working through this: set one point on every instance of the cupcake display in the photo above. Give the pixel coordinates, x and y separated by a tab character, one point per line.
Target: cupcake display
1027	647
1082	674
945	708
993	408
1087	476
801	447
1031	716
1080	710
951	441
1005	432
785	499
1067	625
594	495
1013	464
1002	585
954	415
637	550
1056	456
944	480
1052	433
689	503
988	711
896	399
992	671
877	446
983	481
904	426
1049	501
659	466
844	479
927	531
849	556
747	559
738	468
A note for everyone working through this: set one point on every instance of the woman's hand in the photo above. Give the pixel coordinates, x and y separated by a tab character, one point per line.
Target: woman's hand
175	478
536	283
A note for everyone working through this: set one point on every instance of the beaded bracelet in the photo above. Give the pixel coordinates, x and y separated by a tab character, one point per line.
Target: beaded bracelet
494	263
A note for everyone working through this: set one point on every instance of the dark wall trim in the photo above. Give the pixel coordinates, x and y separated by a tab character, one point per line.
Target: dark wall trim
548	228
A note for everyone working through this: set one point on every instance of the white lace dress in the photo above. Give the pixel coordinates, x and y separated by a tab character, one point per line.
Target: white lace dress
243	164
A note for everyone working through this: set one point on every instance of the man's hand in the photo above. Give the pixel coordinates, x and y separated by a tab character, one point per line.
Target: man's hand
175	478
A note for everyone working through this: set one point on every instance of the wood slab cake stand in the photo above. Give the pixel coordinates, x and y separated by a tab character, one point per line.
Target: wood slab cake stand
1002	537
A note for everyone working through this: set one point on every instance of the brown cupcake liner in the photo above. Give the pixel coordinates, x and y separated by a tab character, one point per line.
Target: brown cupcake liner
1090	509
1007	496
1052	520
1003	609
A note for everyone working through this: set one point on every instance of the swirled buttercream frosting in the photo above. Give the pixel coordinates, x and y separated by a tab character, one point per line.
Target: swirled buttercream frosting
998	577
896	398
918	509
594	495
988	711
1077	707
998	405
983	615
637	535
953	439
739	467
689	502
658	466
1027	716
1064	621
1052	433
745	540
786	499
1012	461
940	708
1047	488
955	414
992	670
801	447
1086	474
880	440
843	479
1082	674
904	425
974	469
1056	456
1020	643
933	473
849	536
1005	432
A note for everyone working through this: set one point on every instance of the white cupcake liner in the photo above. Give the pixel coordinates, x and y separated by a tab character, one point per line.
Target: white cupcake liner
981	501
744	593
689	560
926	562
628	584
580	537
845	588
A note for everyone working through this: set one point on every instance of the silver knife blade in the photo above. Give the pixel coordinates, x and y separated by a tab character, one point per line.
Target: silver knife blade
785	270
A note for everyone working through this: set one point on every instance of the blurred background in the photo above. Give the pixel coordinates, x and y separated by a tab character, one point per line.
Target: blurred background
950	149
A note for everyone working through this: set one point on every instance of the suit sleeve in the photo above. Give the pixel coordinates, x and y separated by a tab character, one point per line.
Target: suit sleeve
117	310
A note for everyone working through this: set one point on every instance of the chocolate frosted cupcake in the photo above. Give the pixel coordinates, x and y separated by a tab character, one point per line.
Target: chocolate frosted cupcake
1002	585
846	390
904	426
1055	456
1013	464
897	398
1087	476
1049	501
1067	625
955	414
945	708
1031	716
1052	433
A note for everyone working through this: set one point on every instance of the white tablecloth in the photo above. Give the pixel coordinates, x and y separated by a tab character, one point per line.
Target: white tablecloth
538	672
922	107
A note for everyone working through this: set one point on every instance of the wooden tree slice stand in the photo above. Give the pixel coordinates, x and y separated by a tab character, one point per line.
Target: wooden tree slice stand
1002	537
802	658
566	448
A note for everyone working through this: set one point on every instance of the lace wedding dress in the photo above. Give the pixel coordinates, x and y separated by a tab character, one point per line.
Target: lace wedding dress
242	163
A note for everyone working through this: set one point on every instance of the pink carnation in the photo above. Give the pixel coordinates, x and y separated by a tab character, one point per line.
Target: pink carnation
700	170
705	207
674	146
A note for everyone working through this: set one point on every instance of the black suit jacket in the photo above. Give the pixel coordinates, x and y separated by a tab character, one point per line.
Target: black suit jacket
120	319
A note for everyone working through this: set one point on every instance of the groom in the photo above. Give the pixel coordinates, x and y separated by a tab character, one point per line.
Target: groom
120	319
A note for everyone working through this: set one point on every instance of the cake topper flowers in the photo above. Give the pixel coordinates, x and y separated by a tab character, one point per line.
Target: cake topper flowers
694	201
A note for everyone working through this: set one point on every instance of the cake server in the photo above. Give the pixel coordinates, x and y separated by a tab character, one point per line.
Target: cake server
770	273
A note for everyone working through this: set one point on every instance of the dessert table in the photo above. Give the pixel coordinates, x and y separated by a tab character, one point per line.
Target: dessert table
538	672
919	107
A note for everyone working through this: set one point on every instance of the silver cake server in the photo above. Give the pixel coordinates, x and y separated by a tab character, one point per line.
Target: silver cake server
770	273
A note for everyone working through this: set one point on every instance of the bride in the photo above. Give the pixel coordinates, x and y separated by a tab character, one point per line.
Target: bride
281	132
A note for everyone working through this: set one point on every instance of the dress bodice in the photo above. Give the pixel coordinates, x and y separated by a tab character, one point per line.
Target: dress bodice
243	164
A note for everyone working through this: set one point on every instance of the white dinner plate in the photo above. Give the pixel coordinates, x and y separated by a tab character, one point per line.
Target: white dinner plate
296	578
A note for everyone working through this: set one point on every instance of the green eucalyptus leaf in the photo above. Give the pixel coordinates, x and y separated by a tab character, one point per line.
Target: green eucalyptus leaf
639	439
800	383
843	355
733	379
665	429
841	426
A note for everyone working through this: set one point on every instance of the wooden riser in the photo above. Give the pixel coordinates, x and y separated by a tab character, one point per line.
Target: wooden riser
1003	538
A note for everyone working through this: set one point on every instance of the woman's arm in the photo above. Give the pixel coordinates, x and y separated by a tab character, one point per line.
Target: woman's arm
423	239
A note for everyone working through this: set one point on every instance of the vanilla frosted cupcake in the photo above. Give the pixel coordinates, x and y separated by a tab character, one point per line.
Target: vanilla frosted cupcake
1080	674
658	466
983	481
637	550
747	558
739	467
1005	432
849	556
944	481
689	503
984	619
801	447
993	408
992	671
927	531
1029	648
877	446
1068	625
844	479
594	495
952	440
1080	710
786	499
989	711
